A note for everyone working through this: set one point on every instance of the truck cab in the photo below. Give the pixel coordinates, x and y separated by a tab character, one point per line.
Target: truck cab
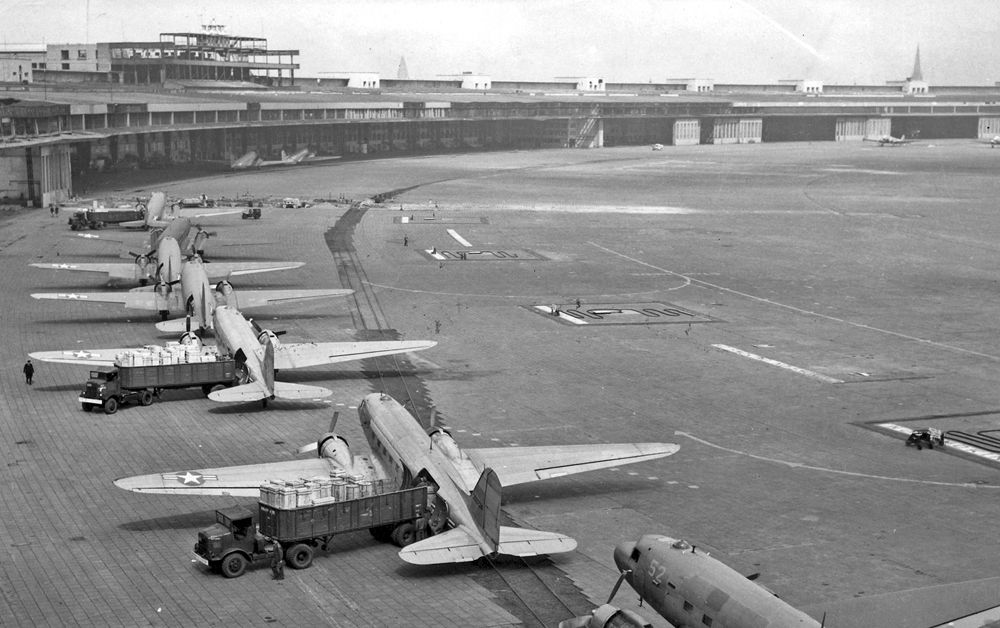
102	385
231	543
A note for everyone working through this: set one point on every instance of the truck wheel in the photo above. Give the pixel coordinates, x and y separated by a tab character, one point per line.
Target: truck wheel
299	556
110	405
234	565
382	534
404	534
146	398
86	407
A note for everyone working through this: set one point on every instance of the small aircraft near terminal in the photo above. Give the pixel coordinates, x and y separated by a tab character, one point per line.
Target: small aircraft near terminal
252	160
888	140
261	355
466	518
687	587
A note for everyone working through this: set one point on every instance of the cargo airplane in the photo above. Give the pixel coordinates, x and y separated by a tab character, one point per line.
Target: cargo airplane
888	140
259	354
688	588
192	294
465	519
253	160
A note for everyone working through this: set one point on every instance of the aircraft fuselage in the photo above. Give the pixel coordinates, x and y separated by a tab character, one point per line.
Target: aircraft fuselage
689	588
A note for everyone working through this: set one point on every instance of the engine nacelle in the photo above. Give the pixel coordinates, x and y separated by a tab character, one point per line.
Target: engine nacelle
269	334
225	294
442	440
607	616
333	447
142	267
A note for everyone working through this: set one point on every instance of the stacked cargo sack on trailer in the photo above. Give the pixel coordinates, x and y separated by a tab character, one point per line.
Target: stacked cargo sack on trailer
318	490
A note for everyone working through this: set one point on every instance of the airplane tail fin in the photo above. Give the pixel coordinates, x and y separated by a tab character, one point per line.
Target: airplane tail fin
484	504
284	156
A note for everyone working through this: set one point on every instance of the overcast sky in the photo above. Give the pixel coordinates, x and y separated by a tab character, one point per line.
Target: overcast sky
731	41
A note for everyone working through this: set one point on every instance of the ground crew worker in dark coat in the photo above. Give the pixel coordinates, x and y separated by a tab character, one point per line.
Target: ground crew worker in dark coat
29	372
277	563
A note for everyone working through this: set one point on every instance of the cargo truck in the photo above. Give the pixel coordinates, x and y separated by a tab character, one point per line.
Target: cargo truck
233	542
100	218
111	387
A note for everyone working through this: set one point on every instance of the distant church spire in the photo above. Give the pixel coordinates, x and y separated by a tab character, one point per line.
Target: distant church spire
917	74
402	73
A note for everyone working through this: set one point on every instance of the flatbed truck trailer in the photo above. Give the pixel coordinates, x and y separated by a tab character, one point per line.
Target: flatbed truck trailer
110	388
233	542
98	219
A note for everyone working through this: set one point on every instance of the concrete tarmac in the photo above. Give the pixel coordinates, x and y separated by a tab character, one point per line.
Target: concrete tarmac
767	307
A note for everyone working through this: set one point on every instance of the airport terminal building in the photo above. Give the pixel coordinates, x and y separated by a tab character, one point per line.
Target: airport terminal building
207	98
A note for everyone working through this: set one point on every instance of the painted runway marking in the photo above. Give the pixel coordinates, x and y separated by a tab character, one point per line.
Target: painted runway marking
798	465
951	444
458	238
548	310
789	367
792	308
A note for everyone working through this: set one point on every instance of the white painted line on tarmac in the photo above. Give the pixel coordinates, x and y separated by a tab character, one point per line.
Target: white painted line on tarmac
459	238
798	465
951	444
789	367
561	315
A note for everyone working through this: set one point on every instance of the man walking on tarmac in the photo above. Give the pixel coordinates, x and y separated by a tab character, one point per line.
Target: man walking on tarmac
277	562
29	372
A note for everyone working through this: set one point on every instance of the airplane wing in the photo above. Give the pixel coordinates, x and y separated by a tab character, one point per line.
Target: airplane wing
93	357
202	212
517	465
458	545
113	270
239	481
257	298
303	354
222	270
144	300
926	607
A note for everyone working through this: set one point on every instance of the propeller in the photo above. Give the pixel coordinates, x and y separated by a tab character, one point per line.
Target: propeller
313	446
261	330
621	578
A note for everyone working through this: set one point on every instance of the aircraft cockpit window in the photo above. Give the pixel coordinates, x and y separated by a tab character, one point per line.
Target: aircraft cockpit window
681	545
635	554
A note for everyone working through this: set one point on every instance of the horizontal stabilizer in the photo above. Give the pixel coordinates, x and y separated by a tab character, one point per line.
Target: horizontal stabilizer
525	542
454	546
253	391
284	390
458	546
176	325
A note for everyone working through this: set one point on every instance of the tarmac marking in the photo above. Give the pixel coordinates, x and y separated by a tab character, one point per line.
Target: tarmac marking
952	444
458	238
792	308
789	367
856	474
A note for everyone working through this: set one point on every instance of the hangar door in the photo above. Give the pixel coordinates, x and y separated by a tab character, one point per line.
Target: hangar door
736	131
687	132
54	174
988	128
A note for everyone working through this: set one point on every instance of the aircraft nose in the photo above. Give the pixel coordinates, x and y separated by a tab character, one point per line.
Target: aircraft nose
622	553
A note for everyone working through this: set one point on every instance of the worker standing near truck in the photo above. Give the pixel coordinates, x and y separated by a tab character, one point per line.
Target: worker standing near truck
277	562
